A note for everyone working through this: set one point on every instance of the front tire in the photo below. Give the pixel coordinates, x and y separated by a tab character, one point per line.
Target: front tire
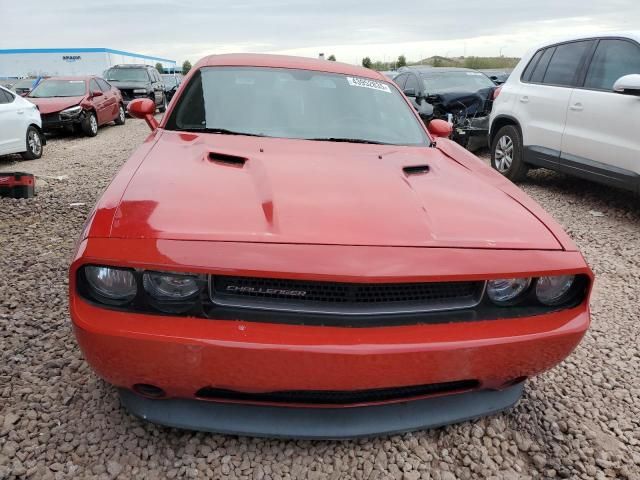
90	125
34	144
120	119
163	107
507	154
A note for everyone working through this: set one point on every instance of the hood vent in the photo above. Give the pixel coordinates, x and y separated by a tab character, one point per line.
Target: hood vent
416	170
231	160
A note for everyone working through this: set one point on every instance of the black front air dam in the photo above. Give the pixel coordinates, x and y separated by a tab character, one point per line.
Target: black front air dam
320	423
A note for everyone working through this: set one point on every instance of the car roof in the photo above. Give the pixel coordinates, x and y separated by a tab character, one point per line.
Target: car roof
425	69
132	65
633	34
285	61
79	77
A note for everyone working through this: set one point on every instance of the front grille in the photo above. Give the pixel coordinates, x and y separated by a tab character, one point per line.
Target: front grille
50	118
337	397
333	297
127	93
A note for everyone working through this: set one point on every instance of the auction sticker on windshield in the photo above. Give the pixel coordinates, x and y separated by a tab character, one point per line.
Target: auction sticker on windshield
366	83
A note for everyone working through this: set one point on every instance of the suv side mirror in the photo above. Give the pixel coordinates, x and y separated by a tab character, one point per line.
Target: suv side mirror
409	92
144	108
628	85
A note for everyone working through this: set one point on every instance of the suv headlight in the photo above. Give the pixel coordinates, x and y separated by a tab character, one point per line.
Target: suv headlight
72	111
506	290
554	290
112	286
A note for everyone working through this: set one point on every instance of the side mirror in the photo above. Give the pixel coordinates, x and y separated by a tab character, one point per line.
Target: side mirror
96	93
439	128
410	92
145	109
628	85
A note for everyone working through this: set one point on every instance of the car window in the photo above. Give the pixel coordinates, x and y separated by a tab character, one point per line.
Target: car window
293	103
612	59
541	68
104	86
526	75
6	97
412	82
456	81
127	75
400	80
563	67
59	88
93	86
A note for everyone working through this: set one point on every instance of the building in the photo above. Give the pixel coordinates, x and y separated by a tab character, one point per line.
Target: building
69	61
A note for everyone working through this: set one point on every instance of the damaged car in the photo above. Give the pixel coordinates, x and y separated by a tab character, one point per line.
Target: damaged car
292	253
461	96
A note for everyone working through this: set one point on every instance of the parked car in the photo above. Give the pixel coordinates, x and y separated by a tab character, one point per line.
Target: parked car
461	96
23	86
20	126
78	102
497	75
573	107
295	254
138	81
171	83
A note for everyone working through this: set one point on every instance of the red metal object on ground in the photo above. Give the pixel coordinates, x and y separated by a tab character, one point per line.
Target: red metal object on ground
17	185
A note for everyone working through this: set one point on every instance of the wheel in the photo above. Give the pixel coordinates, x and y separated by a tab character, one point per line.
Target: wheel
507	154
90	124
121	115
34	144
163	107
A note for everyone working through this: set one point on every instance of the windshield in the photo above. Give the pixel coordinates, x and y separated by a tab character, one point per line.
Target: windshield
127	75
455	81
290	103
170	80
59	88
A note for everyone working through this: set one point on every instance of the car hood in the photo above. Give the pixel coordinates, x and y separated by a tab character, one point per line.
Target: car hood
54	104
196	187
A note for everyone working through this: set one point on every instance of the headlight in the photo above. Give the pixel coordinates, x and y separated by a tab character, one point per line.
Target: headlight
71	112
553	290
109	285
139	90
506	290
170	286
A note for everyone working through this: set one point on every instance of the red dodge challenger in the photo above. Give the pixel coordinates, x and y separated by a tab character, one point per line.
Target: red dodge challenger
292	253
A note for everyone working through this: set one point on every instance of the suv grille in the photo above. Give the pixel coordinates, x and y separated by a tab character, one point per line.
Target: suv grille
338	397
341	298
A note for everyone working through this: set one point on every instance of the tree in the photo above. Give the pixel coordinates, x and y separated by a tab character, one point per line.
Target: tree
332	57
186	66
402	61
159	67
366	62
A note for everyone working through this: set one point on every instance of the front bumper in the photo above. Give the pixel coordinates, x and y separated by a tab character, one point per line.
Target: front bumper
183	355
316	423
55	121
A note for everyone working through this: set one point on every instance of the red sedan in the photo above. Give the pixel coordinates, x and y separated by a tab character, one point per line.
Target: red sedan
77	102
292	253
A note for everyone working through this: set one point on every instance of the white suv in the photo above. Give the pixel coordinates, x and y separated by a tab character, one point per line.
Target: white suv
574	107
20	126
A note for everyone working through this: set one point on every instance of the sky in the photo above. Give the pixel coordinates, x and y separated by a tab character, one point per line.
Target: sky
381	29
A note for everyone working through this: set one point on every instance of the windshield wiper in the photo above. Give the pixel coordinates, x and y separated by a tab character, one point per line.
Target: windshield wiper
222	131
347	140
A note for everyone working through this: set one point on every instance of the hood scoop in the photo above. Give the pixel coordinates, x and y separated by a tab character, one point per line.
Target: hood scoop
415	170
225	159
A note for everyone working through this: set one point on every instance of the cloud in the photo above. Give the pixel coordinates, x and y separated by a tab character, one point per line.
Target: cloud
189	29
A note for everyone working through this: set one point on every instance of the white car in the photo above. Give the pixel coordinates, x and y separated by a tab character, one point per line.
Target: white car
20	126
572	106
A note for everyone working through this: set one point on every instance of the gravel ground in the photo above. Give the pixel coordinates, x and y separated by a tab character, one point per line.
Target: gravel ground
58	420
